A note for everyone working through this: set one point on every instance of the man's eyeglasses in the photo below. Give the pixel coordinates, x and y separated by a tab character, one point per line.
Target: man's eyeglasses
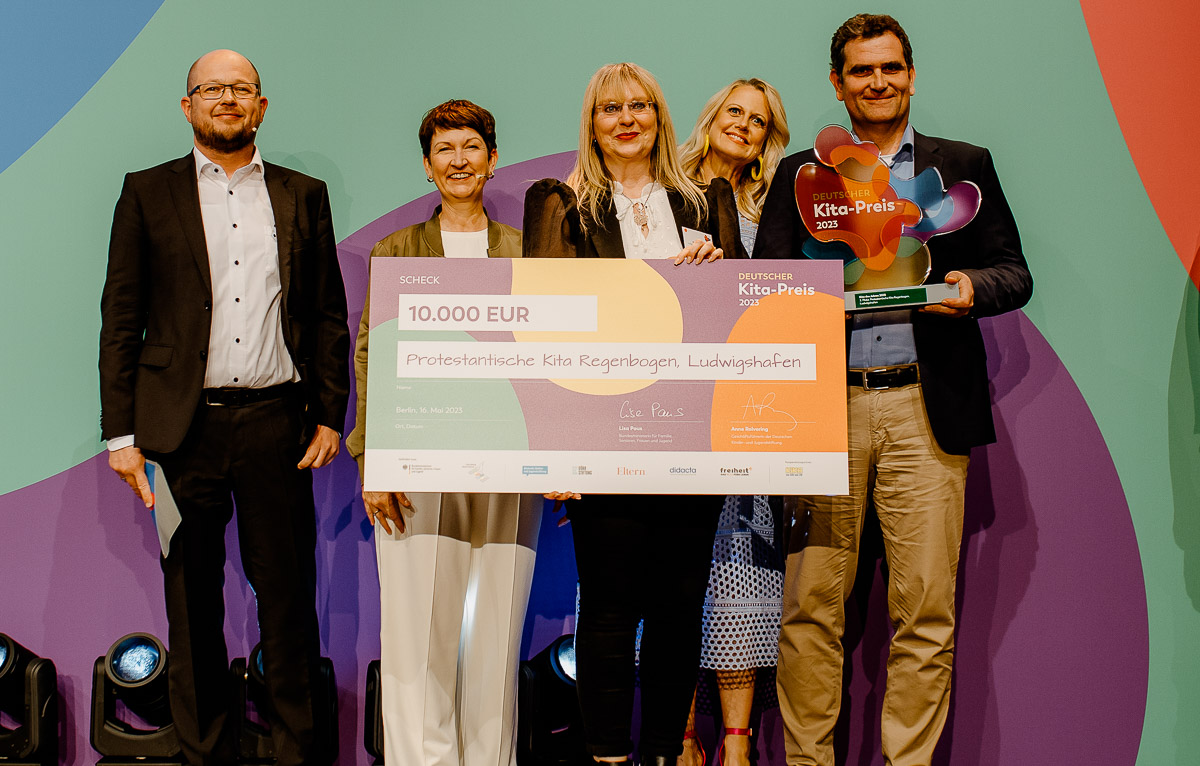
615	107
211	91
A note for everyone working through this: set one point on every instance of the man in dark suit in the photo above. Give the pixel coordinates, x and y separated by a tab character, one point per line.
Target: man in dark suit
224	358
918	402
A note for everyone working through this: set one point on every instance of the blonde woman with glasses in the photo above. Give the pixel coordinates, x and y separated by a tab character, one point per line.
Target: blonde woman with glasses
638	556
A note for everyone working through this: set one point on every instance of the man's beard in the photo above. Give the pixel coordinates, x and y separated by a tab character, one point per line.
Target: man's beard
208	135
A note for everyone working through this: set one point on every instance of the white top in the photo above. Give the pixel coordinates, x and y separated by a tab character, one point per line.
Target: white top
662	239
465	244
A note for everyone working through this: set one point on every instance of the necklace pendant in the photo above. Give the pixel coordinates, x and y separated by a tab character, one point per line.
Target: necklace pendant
640	218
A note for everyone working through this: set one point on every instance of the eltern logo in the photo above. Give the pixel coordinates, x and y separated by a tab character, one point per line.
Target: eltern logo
623	471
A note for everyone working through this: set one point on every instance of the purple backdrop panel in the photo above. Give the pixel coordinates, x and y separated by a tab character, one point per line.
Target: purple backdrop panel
1053	644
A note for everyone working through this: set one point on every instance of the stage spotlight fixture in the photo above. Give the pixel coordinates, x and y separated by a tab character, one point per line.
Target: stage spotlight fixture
549	724
253	710
29	700
131	717
373	714
564	657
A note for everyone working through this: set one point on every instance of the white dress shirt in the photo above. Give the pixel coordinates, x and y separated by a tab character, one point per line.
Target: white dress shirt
245	345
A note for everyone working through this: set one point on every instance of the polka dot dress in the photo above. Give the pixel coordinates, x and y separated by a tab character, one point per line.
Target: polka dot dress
743	604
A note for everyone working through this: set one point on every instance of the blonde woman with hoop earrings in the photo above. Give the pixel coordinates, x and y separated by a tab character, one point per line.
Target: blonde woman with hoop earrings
740	136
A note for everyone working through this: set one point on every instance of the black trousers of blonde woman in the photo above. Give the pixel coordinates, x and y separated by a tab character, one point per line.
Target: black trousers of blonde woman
640	557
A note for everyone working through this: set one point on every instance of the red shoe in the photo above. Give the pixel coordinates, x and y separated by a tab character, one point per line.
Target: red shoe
721	748
691	734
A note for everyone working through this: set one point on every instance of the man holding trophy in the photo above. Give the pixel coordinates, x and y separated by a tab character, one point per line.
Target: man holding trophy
917	383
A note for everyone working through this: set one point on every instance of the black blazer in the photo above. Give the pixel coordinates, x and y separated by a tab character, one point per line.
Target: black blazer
950	352
156	309
552	228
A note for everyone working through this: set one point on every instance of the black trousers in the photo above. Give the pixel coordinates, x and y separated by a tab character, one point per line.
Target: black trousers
245	455
640	557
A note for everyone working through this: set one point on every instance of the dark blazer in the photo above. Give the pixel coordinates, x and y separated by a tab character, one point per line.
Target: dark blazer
156	309
950	352
552	223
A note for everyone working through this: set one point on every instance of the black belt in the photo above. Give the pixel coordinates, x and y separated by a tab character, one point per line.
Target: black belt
883	377
238	397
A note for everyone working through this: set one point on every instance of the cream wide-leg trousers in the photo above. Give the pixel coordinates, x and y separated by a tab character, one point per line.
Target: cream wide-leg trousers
453	591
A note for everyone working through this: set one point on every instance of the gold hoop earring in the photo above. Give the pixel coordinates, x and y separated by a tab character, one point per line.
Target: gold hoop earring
704	153
756	172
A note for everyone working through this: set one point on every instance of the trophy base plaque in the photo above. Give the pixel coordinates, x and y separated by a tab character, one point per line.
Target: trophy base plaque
898	297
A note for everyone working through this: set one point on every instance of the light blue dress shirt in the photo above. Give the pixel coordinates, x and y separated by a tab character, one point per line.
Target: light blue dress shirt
885	338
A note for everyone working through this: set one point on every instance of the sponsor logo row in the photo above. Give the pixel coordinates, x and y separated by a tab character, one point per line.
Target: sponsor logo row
620	470
675	470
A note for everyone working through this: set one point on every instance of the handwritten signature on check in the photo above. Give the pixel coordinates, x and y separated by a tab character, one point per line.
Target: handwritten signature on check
756	410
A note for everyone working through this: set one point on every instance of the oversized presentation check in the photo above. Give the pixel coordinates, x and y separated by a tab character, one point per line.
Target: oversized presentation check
604	375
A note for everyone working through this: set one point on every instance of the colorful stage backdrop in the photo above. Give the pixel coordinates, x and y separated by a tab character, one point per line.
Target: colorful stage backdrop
1080	580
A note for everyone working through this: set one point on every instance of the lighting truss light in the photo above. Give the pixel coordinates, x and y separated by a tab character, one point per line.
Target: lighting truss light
549	724
29	697
373	714
564	657
131	715
254	732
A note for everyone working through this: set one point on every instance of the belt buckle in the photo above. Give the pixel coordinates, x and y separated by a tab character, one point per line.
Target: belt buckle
886	374
211	403
879	375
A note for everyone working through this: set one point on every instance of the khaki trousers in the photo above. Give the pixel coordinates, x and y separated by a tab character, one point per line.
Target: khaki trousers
917	491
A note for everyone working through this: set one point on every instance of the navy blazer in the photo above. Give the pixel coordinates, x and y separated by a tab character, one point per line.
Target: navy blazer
950	352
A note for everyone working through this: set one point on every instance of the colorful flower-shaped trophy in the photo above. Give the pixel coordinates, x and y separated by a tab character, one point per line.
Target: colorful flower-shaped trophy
877	224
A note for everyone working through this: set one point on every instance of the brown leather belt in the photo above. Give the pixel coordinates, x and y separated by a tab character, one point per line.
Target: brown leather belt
878	378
